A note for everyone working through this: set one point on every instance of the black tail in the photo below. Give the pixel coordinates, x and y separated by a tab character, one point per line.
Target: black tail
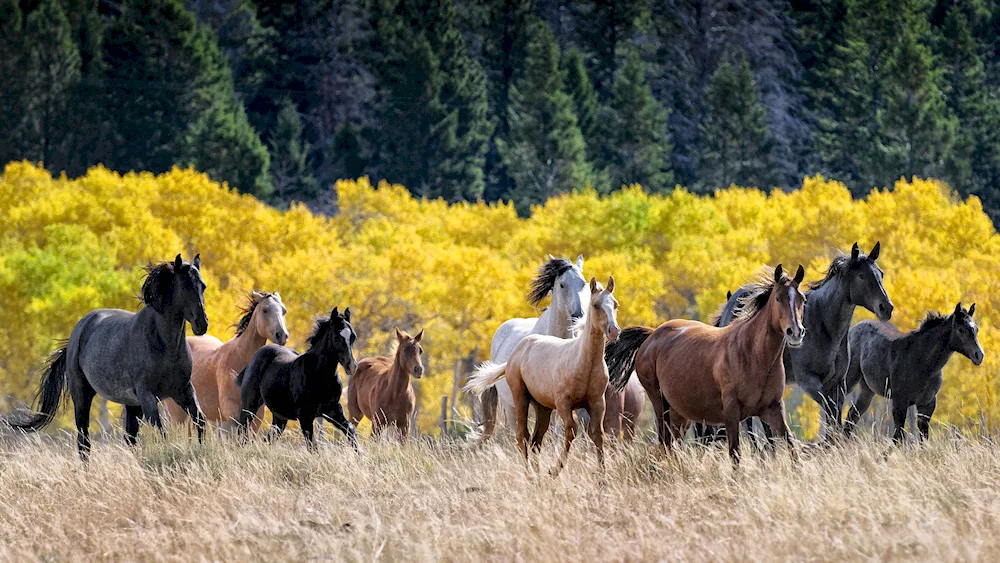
620	355
50	393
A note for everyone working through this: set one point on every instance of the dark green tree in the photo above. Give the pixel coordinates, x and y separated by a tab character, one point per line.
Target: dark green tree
545	153
11	86
223	144
290	171
736	143
637	145
588	109
606	26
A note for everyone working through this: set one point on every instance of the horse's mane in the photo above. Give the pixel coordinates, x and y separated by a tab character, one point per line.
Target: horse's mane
931	321
545	281
837	267
323	325
156	284
253	299
757	294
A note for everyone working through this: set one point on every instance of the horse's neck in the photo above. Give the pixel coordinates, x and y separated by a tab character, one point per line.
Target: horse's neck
554	322
240	349
829	309
765	340
590	343
168	326
928	348
399	378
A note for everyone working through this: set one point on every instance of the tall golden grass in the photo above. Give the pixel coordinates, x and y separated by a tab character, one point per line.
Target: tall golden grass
176	501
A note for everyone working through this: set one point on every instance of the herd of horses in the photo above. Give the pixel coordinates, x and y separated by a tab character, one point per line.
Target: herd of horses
574	357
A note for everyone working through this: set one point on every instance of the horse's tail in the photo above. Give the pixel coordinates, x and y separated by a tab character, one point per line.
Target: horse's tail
49	395
486	375
620	355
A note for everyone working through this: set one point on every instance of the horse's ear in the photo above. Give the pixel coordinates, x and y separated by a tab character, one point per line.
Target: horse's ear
550	257
399	335
958	308
875	250
972	310
178	262
419	336
335	313
777	273
579	262
611	284
257	295
855	252
593	284
799	275
729	295
197	261
347	314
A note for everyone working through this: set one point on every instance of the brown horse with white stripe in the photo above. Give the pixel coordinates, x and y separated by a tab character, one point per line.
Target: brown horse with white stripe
695	372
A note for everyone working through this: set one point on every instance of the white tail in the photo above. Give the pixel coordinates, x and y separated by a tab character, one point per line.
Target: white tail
486	375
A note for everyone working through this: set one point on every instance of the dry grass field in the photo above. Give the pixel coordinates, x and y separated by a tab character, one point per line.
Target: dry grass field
174	501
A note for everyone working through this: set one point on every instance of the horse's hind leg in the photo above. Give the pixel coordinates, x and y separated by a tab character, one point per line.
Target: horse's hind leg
278	424
306	423
899	408
565	410
660	413
83	396
774	420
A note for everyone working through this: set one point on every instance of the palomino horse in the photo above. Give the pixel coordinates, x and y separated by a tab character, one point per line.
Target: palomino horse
906	368
216	363
301	387
562	374
819	366
130	358
696	372
564	280
380	388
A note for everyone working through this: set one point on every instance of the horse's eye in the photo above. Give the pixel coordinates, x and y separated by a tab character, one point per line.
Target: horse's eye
597	307
562	285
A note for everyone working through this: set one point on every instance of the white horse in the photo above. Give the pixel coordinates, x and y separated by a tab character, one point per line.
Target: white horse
559	374
570	294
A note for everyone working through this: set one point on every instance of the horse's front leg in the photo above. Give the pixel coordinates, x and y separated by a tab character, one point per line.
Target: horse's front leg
732	418
187	400
924	413
149	404
775	421
596	409
306	423
335	415
565	409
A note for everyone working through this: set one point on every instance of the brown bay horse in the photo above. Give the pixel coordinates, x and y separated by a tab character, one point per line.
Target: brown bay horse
380	389
623	410
693	372
559	374
216	363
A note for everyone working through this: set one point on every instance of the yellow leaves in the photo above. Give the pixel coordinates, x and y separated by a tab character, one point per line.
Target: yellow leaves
460	270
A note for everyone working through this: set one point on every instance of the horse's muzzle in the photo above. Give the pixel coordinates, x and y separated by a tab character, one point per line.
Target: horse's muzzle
200	328
613	333
794	338
418	371
978	357
884	311
281	338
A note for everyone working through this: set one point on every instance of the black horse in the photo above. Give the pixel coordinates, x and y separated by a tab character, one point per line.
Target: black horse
136	359
301	387
820	364
906	368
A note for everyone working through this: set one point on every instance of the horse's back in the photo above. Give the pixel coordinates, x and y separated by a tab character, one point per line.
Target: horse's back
507	336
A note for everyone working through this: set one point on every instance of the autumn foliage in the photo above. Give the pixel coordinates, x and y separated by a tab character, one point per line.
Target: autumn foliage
69	246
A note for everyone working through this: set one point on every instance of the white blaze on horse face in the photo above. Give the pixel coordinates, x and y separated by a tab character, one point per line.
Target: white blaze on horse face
346	334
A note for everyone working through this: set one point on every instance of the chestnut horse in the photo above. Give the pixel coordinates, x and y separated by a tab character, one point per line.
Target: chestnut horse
216	363
380	388
623	410
563	374
695	372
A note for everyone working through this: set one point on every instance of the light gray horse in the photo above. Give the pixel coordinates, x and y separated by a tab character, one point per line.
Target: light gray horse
570	294
134	359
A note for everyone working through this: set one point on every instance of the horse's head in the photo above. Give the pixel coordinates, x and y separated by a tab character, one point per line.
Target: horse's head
964	337
864	282
269	317
409	352
335	337
789	301
565	281
177	287
604	307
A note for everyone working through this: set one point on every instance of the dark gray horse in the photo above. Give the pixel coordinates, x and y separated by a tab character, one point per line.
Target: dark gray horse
301	387
820	364
906	368
135	359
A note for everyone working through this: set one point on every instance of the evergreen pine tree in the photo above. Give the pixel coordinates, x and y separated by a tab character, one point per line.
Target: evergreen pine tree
607	25
290	171
545	152
637	146
51	71
588	109
736	143
223	144
11	86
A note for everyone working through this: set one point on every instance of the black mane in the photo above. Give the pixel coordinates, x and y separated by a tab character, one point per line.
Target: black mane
156	284
545	281
932	321
323	326
757	294
249	308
